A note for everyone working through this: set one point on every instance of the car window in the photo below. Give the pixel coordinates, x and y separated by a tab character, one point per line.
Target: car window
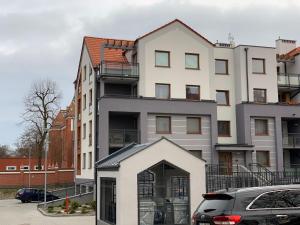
278	199
264	201
216	203
288	199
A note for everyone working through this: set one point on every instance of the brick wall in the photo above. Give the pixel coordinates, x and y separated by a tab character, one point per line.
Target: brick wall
21	178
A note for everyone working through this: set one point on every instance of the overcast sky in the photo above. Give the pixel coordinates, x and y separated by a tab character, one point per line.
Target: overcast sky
42	38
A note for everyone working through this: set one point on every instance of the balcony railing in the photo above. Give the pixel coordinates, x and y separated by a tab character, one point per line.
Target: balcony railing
119	69
291	140
122	137
288	80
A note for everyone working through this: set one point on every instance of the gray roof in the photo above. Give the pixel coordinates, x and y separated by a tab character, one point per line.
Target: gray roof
113	161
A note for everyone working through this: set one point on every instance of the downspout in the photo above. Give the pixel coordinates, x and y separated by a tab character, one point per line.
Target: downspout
247	72
96	127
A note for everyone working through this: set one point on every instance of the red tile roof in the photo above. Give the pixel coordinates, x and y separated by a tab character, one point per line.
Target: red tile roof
292	53
94	44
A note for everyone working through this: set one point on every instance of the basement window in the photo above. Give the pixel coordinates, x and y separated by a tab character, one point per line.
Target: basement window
11	168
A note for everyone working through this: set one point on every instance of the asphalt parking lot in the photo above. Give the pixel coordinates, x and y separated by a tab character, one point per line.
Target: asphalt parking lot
13	212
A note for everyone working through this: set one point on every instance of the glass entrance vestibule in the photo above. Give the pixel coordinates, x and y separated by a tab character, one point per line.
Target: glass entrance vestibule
163	195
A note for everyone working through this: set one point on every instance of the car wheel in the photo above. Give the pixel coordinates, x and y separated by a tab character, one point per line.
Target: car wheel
23	201
29	200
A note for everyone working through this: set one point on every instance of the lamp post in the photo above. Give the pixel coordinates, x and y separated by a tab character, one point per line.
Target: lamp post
46	167
29	175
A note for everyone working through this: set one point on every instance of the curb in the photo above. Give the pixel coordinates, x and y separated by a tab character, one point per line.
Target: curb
63	215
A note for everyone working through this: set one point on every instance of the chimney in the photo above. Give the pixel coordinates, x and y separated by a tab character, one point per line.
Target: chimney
284	46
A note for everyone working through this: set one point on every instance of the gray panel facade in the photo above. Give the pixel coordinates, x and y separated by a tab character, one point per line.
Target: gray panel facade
264	143
146	107
277	112
179	134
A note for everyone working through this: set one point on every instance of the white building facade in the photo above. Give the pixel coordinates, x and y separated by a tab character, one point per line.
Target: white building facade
226	104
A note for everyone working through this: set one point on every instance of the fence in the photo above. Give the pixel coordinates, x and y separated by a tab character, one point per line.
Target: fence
218	177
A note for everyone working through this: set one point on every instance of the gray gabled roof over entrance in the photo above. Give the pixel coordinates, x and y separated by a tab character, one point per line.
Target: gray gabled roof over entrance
112	162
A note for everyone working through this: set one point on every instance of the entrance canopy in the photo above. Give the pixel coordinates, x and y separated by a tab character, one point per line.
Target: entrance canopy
146	184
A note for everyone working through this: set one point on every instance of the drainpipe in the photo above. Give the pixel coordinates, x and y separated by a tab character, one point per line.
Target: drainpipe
247	72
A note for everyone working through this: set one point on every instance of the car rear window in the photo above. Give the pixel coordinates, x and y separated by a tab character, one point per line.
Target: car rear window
216	203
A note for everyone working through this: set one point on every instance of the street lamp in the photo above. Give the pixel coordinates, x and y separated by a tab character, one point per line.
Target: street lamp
46	167
29	174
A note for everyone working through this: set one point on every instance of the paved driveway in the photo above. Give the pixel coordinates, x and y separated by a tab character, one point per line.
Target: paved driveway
13	212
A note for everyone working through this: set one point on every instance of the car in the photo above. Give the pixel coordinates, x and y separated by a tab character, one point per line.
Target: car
271	205
33	194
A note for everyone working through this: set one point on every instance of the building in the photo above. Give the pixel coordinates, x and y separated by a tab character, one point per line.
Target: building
172	176
224	103
17	172
61	139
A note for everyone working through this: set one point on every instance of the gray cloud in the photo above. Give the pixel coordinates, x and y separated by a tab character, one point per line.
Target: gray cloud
42	38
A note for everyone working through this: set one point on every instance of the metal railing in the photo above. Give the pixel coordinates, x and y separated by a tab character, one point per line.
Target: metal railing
291	140
217	177
122	137
288	80
119	69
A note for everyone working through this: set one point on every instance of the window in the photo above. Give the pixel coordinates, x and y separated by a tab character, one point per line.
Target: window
193	125
223	128
277	200
84	131
192	92
162	91
162	58
179	186
90	97
90	73
192	61
261	127
36	167
221	66
222	97
83	160
84	72
90	132
258	66
260	95
163	125
90	160
146	182
24	167
11	168
84	101
266	201
263	158
108	200
197	153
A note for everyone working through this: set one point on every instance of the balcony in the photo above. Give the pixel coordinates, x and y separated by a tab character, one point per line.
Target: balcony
119	138
291	140
288	80
113	69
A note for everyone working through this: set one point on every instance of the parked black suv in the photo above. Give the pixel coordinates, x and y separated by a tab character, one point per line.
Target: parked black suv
273	205
32	194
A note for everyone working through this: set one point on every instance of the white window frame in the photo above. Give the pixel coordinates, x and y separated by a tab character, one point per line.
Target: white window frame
36	167
11	168
24	167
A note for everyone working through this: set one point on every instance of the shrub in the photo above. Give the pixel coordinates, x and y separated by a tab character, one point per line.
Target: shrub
93	205
72	211
50	209
83	210
74	205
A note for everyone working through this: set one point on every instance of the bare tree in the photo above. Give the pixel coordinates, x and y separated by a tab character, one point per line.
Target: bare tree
41	105
28	142
4	151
